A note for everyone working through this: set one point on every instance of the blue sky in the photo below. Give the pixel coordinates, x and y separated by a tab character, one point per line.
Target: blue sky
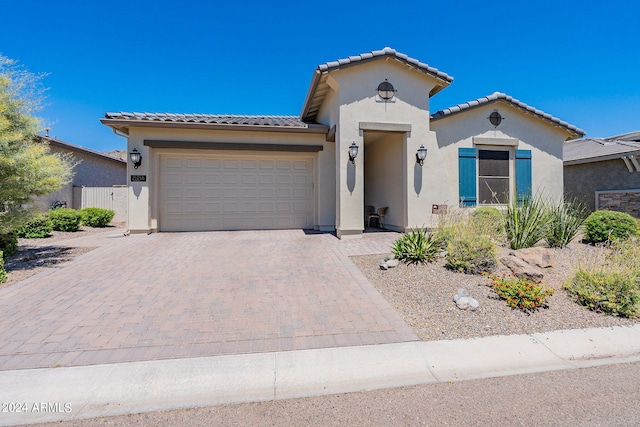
577	60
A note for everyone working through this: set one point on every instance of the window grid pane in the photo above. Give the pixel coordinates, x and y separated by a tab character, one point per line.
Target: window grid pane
493	177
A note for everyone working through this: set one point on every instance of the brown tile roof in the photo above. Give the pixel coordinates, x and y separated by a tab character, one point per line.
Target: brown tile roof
219	119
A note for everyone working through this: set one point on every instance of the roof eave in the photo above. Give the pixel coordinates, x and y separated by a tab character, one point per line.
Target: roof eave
600	158
124	126
71	147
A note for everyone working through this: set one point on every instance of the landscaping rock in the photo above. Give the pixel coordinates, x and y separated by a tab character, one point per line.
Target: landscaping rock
521	268
383	265
392	263
390	256
464	301
540	257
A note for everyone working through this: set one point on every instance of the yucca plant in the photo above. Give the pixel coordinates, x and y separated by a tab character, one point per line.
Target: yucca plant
417	246
526	222
565	220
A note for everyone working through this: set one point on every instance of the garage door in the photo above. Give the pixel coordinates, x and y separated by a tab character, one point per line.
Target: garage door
235	193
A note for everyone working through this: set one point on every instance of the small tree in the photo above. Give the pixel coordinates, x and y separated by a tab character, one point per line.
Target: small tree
27	168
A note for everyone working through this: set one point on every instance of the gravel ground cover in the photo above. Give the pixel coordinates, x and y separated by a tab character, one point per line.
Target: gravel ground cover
423	295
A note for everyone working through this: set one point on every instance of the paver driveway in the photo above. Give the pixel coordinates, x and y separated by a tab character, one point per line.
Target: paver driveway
173	295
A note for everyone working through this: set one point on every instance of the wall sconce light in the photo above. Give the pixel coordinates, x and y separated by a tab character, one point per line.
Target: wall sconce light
353	152
421	155
495	118
386	90
136	158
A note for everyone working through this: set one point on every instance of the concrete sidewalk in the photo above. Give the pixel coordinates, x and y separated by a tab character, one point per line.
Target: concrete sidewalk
43	395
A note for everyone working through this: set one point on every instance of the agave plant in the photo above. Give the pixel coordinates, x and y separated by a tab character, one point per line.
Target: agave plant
417	246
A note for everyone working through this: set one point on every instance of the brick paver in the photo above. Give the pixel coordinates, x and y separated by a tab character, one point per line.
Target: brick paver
173	295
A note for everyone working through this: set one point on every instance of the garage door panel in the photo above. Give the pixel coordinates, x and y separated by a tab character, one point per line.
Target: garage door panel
210	193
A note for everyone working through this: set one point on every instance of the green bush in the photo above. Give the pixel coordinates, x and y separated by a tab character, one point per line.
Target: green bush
612	292
96	217
9	243
488	220
526	222
565	221
471	253
601	226
65	219
37	228
520	292
3	273
417	246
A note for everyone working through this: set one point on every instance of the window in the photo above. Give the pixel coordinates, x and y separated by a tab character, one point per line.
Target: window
485	176
493	177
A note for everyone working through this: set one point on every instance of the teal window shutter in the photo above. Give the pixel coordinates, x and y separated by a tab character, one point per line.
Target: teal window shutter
467	176
523	174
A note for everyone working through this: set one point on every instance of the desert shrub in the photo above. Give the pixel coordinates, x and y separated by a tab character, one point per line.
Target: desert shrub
65	219
565	220
471	253
36	228
520	292
609	283
526	222
9	243
417	246
3	273
488	220
601	226
96	217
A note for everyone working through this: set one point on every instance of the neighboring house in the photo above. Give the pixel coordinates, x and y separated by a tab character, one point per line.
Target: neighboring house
216	172
604	173
95	176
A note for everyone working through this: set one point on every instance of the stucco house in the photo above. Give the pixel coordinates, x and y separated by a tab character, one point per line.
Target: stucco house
93	171
604	173
365	123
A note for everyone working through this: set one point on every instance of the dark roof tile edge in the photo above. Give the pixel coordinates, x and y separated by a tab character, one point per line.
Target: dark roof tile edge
387	51
221	119
496	96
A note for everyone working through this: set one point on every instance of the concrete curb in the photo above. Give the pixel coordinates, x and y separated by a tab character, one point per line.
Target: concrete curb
46	395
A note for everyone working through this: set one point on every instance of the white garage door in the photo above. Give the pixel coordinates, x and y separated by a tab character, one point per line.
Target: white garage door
235	193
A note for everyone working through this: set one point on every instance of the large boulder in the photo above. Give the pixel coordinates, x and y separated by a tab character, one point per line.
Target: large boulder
540	257
521	268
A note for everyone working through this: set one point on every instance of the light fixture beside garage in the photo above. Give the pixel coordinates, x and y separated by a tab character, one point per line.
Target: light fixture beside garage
353	152
421	154
136	158
386	91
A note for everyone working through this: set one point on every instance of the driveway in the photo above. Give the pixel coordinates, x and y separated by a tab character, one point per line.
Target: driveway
175	295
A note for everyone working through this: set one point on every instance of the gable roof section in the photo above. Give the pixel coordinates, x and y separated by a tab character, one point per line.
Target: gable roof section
631	136
75	148
122	121
574	131
319	88
590	150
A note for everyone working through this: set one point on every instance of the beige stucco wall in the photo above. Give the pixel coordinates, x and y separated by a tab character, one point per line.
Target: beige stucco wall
355	96
529	132
144	196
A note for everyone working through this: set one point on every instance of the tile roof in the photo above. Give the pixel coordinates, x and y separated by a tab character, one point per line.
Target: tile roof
387	51
597	149
499	96
631	136
216	119
319	87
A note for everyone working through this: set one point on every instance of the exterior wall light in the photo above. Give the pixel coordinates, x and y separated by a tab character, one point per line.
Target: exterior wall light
386	90
421	154
353	152
495	118
136	158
